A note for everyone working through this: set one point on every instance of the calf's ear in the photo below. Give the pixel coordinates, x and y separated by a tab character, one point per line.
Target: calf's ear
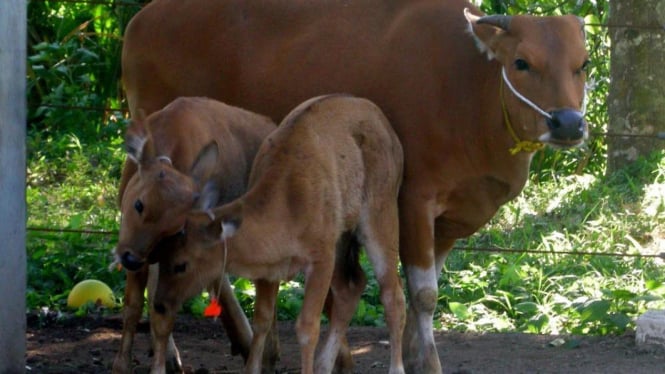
209	196
137	139
205	162
229	217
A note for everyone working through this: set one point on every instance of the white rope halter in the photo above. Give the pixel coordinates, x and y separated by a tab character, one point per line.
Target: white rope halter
587	88
521	97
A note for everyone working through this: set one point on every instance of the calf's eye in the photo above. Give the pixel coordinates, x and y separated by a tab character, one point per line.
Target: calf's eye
180	268
138	205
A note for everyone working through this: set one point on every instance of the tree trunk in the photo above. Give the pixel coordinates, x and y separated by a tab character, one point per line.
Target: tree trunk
12	185
637	89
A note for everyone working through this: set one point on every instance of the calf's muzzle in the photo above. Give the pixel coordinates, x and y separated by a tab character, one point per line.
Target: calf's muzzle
131	262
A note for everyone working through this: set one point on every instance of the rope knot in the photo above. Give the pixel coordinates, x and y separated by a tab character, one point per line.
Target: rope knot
526	146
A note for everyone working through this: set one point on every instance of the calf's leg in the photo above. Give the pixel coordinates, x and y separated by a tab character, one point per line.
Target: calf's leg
233	318
132	311
162	319
264	311
318	276
346	288
173	362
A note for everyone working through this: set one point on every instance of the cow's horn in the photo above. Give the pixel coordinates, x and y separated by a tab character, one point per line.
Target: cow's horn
500	21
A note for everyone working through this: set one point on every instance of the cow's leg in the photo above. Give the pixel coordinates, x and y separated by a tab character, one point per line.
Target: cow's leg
418	262
346	288
318	276
173	363
162	319
264	312
380	235
132	311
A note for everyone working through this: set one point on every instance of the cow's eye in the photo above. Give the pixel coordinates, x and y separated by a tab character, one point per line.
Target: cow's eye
585	66
138	205
521	65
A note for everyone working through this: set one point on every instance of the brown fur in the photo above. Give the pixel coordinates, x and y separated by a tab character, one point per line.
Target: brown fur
175	151
331	169
417	60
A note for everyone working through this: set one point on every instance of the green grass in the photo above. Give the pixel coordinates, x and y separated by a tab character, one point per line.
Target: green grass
74	186
554	293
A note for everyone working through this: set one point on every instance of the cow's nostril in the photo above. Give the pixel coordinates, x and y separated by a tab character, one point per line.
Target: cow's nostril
131	262
582	125
553	123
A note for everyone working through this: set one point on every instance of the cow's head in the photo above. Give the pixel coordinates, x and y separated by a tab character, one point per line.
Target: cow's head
158	197
543	75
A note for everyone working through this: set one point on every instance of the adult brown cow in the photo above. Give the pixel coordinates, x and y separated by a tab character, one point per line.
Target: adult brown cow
468	134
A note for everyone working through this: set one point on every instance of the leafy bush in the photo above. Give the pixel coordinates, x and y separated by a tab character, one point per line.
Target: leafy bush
546	292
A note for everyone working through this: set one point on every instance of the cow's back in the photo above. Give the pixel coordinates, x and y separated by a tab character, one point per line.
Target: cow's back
269	56
330	154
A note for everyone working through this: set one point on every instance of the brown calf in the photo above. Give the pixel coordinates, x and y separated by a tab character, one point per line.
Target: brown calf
173	152
324	183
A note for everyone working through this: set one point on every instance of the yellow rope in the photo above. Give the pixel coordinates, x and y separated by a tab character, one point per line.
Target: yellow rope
520	145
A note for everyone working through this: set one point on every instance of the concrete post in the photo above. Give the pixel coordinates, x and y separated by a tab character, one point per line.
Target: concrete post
13	25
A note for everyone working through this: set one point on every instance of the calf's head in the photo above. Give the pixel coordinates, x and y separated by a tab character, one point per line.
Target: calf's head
157	197
191	261
543	74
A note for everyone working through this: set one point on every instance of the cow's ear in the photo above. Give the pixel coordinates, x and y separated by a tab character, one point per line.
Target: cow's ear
486	30
205	163
137	139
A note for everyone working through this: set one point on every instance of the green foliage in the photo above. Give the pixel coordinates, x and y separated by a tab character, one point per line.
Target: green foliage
58	260
553	293
73	64
74	149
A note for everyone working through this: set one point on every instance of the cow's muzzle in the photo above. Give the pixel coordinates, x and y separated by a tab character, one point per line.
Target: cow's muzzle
131	262
567	127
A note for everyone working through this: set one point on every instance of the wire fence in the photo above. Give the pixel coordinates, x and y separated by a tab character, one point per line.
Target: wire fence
125	112
660	255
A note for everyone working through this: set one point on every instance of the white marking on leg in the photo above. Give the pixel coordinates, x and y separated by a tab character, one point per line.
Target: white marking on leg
326	360
420	280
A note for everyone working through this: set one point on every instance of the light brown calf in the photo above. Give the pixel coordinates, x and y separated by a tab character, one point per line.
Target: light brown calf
175	151
323	184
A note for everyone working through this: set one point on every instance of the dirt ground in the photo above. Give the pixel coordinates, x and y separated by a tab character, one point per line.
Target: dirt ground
88	345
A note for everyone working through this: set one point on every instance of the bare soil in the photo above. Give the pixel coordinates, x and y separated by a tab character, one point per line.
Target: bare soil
88	345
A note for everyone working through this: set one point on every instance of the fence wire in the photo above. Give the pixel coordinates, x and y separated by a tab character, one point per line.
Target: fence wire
660	255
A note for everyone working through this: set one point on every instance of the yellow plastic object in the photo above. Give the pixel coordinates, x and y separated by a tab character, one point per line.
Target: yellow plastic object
91	290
